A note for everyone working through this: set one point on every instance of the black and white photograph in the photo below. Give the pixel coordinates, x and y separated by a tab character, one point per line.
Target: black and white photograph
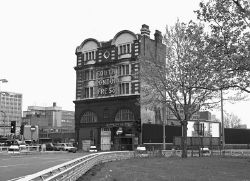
94	90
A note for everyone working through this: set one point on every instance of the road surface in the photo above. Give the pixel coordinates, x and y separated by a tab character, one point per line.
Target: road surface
20	165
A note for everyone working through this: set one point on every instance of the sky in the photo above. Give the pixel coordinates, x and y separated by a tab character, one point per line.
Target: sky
38	39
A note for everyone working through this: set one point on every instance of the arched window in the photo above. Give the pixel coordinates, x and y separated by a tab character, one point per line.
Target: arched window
89	117
124	115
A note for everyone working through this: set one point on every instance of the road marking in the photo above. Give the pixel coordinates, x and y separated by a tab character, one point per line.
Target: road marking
12	165
17	178
29	163
44	158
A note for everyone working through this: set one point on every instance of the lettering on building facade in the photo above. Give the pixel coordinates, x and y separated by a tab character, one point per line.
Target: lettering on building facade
106	82
121	124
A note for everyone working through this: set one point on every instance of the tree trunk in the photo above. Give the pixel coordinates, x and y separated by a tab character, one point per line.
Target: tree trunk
184	139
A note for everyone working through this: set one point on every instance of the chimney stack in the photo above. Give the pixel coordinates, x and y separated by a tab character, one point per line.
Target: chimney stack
158	36
54	104
145	30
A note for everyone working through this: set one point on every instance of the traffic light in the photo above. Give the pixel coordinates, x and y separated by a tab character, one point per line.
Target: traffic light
138	125
13	127
21	129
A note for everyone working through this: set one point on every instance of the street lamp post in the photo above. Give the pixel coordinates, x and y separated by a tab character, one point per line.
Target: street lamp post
164	124
3	81
222	121
222	117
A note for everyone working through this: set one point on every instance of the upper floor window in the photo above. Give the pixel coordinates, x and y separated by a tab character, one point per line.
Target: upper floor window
90	55
88	92
88	117
89	74
124	49
123	69
124	88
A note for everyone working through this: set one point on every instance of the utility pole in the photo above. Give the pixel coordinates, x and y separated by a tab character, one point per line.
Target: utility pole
4	119
164	124
222	121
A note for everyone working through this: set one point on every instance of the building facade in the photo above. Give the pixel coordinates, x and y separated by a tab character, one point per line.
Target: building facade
200	124
198	116
107	105
50	119
68	121
10	110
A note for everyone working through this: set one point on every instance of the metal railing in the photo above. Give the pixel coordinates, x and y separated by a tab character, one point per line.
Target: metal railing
72	170
233	153
191	153
21	149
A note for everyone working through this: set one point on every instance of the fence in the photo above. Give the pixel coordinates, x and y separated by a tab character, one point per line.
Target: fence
198	141
196	153
110	147
158	146
232	153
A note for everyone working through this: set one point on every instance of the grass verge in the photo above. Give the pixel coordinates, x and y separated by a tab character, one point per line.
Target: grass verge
177	169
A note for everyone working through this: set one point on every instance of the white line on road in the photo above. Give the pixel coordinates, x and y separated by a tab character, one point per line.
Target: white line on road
43	158
16	178
12	165
29	163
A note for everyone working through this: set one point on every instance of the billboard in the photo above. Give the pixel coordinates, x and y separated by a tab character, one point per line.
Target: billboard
203	128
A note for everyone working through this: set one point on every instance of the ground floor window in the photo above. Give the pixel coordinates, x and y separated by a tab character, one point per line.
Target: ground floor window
89	117
124	115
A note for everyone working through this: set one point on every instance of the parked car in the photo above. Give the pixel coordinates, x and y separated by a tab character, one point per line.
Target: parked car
141	151
9	142
50	147
59	146
66	147
14	149
22	146
70	148
28	142
205	151
92	149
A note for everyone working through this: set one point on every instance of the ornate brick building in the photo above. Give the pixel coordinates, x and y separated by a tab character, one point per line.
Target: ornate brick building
107	108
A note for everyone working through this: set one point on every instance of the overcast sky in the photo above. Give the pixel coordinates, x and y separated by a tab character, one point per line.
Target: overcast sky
38	41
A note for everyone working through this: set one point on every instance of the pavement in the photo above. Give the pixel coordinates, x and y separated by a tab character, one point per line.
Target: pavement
6	154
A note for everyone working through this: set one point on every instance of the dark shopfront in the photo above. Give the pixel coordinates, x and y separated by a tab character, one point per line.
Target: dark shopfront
110	124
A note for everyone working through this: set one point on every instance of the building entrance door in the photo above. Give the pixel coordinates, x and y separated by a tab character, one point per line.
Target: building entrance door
105	139
123	143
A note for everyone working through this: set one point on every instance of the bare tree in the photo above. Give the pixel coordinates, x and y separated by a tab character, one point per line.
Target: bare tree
185	82
228	40
231	120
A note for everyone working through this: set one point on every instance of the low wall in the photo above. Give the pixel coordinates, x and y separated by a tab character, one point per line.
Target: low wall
72	170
